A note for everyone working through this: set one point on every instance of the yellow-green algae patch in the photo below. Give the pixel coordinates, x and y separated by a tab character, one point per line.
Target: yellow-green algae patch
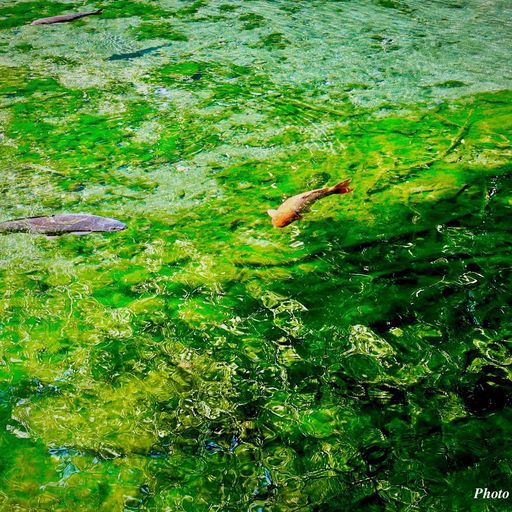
120	376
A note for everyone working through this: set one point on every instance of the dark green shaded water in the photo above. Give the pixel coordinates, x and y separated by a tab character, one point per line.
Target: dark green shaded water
202	360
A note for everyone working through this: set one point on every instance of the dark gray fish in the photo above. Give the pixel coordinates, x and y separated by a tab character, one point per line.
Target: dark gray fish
62	18
74	223
134	55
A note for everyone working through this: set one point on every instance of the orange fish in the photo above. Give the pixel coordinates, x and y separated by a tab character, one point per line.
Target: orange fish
293	207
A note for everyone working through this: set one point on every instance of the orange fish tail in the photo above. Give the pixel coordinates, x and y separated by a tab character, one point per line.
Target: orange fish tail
342	187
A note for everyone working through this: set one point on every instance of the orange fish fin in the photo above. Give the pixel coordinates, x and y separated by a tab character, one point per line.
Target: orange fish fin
342	187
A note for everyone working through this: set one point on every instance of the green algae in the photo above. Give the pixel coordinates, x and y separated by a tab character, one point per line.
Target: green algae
274	40
203	360
158	31
22	13
192	8
376	365
251	20
114	9
228	7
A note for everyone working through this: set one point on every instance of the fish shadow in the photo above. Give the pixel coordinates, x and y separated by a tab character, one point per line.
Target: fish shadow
135	55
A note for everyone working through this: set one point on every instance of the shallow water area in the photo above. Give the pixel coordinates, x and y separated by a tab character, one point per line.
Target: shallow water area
202	360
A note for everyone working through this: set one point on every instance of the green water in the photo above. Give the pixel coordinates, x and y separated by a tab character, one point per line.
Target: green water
202	360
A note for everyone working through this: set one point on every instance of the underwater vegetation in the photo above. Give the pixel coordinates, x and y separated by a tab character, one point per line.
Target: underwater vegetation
201	360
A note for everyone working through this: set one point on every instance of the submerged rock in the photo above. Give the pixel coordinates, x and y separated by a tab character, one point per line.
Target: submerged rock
77	223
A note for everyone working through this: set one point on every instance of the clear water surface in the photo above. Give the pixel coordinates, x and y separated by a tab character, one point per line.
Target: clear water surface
203	361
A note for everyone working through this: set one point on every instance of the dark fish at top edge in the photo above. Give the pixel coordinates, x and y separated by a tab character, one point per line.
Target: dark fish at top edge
62	18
